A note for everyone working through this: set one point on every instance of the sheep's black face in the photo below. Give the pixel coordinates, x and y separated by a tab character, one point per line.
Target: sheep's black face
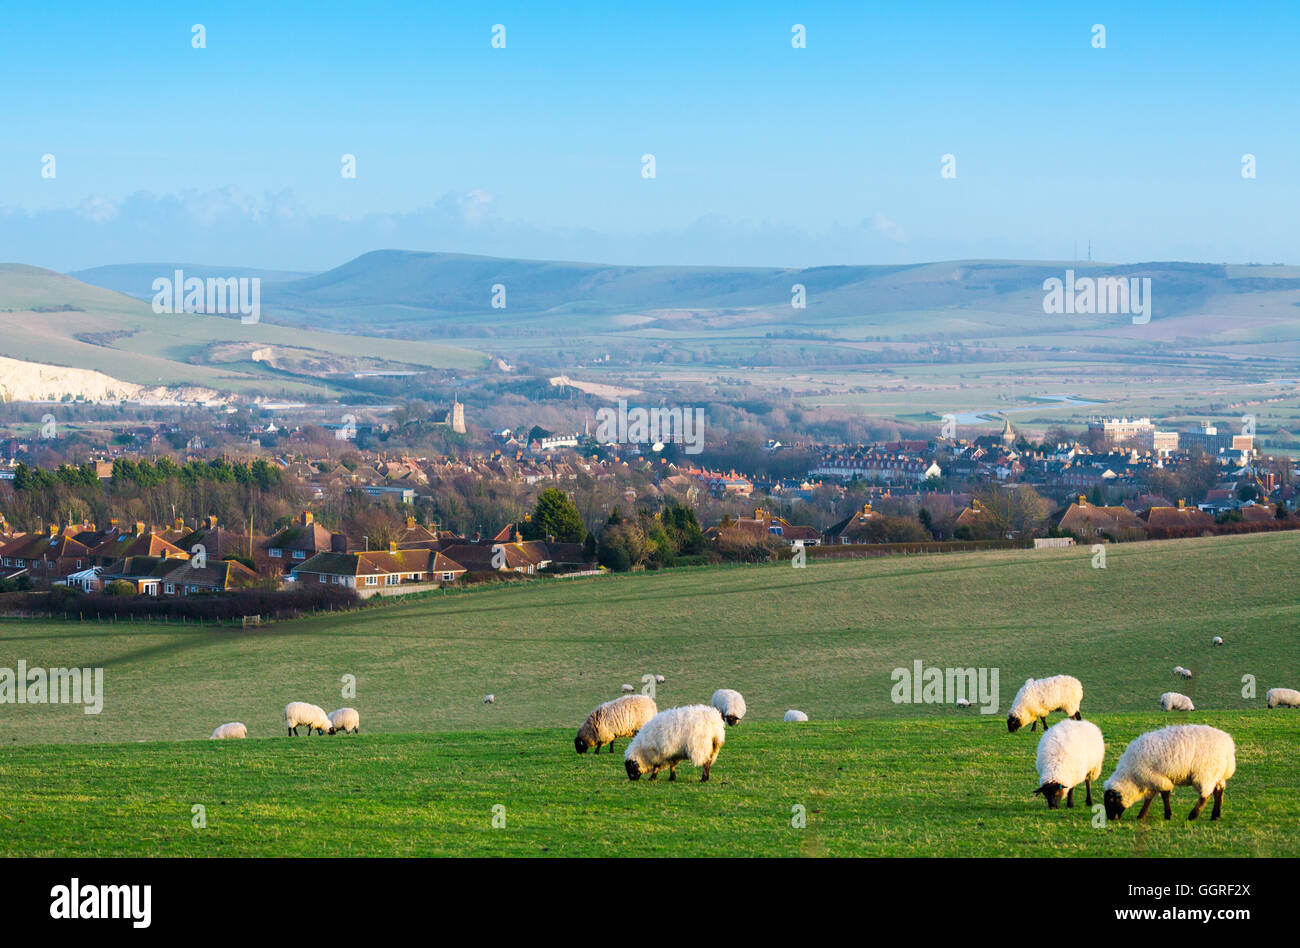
1114	806
1013	723
1052	793
633	769
732	720
580	745
334	730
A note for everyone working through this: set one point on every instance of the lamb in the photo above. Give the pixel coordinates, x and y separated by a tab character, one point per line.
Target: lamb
300	712
694	732
1036	699
1195	755
345	720
795	716
1070	752
622	717
1173	701
490	699
731	704
1283	698
1181	672
233	729
1217	640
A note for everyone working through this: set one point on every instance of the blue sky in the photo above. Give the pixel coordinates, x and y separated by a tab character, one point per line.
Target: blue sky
765	154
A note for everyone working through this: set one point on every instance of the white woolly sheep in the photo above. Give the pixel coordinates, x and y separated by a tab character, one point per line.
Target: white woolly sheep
731	704
490	699
659	679
345	719
1070	753
1283	698
1180	755
963	702
1173	701
628	689
1217	640
694	732
314	717
622	717
795	716
233	729
1037	698
1181	672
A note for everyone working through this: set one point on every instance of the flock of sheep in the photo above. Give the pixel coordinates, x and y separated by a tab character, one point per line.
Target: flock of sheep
301	714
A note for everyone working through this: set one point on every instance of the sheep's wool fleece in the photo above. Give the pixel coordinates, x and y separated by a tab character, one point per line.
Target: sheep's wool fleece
1180	755
1173	701
1283	698
1038	697
300	712
686	733
1070	752
231	730
729	702
345	719
793	715
621	717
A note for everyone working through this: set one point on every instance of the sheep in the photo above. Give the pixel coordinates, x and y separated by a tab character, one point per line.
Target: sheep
1173	701
490	699
1217	640
1036	699
233	729
731	704
1180	755
1181	672
300	712
628	689
694	732
1283	698
622	717
1069	752
795	716
659	679
963	702
345	720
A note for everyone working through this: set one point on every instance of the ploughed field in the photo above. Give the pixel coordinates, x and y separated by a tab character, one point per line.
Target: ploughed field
874	776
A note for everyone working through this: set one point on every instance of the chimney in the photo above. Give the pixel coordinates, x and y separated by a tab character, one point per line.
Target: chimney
392	546
1083	501
410	523
180	524
212	522
54	529
338	543
139	528
307	518
1182	504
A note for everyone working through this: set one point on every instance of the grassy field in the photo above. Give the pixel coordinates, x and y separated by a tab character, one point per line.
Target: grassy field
876	777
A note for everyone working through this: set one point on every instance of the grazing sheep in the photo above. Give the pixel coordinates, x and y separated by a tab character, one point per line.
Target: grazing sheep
1283	698
1180	755
659	679
1181	672
233	729
693	733
963	702
622	717
731	704
628	689
1037	698
795	716
345	719
1173	701
1217	640
300	712
490	699
1069	753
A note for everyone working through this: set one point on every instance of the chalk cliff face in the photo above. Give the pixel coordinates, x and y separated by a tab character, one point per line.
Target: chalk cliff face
34	381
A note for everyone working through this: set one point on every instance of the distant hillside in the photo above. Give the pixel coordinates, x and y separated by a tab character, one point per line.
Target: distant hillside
136	279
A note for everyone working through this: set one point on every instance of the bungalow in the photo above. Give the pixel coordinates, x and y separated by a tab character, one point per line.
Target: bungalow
763	525
377	568
1086	520
214	576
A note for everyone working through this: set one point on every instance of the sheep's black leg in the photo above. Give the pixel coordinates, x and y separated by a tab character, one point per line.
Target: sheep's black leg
704	778
611	747
1069	798
1078	715
290	730
1169	814
1196	810
1087	785
1218	804
672	773
1146	805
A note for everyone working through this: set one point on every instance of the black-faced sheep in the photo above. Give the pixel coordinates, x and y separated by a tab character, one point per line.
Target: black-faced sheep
730	704
1282	698
313	717
622	717
345	720
1180	755
1173	701
1070	753
1037	698
695	733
